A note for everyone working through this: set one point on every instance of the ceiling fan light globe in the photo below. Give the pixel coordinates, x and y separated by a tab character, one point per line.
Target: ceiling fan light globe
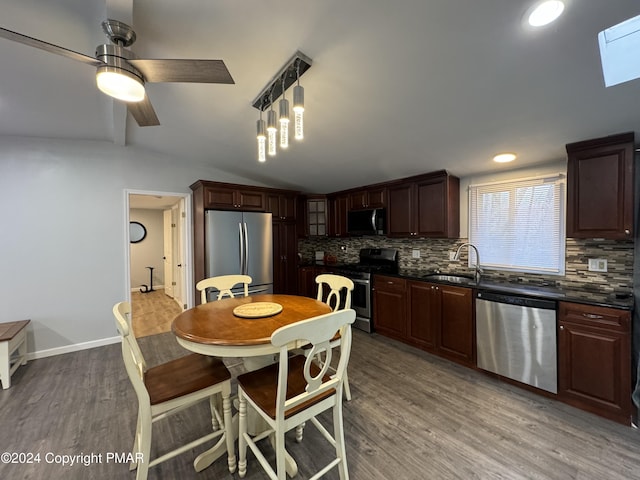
545	12
120	85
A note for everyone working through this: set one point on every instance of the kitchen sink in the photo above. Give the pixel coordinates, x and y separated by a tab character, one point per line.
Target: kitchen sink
451	278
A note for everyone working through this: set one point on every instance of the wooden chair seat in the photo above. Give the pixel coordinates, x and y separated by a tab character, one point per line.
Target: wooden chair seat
183	376
169	388
262	386
296	390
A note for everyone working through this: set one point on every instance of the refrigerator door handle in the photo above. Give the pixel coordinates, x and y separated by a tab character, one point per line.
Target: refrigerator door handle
246	250
242	243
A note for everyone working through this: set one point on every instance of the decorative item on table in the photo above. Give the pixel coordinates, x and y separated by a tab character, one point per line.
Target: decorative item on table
257	310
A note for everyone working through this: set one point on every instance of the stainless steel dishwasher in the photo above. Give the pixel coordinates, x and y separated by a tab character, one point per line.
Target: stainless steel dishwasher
516	338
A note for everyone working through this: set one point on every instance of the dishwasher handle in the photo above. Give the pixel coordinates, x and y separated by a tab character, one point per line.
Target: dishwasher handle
517	300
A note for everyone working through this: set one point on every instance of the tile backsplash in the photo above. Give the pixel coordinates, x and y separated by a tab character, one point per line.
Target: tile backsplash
434	254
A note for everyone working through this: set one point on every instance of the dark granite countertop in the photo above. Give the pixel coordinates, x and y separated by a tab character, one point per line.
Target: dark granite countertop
597	298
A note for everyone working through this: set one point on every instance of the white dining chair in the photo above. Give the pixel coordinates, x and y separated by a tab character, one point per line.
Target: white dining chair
297	389
224	284
169	388
338	297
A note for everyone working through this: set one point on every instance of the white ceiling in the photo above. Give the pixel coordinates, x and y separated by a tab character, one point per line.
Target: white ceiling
396	88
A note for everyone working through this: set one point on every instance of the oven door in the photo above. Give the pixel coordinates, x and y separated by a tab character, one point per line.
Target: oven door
361	303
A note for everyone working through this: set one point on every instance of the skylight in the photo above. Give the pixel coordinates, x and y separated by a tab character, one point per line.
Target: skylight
619	47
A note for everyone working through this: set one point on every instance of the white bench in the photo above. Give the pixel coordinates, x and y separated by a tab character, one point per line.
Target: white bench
13	340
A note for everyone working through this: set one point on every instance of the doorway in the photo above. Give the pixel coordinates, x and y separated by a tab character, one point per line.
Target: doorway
158	261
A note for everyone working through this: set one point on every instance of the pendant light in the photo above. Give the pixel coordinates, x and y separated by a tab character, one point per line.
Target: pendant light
272	129
298	108
261	139
267	130
284	119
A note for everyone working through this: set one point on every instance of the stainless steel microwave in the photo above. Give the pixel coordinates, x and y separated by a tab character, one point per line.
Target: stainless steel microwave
367	222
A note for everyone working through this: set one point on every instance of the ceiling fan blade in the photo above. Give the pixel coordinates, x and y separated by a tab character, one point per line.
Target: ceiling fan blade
193	71
143	112
48	47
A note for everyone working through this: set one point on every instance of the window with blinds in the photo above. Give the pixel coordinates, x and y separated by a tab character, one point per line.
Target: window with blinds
519	225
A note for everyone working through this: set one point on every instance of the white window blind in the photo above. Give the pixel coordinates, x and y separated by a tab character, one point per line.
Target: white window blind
519	225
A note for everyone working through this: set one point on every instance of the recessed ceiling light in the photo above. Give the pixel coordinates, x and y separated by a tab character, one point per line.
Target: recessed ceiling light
504	157
545	12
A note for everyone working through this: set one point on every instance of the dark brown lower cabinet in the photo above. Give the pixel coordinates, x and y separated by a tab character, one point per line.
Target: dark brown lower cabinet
434	317
307	280
594	360
456	337
390	306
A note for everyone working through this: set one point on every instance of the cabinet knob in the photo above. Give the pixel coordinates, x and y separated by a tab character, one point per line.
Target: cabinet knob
627	232
561	327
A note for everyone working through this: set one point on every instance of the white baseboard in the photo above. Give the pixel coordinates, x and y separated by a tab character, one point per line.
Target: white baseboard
72	348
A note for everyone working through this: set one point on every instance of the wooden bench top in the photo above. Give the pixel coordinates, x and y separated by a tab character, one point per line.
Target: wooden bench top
9	330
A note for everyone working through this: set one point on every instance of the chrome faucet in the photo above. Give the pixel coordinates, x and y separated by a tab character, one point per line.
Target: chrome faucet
456	257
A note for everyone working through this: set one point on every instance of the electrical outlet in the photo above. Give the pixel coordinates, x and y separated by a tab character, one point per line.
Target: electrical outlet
597	265
452	256
415	253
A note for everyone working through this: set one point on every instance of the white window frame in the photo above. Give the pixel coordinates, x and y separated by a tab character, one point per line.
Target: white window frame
512	245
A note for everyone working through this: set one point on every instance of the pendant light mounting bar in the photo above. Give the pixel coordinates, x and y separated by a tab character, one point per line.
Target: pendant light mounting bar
287	76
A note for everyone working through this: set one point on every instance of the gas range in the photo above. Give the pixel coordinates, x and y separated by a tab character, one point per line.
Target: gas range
372	261
359	271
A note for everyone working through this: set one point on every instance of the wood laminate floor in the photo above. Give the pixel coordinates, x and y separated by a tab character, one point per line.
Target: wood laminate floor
152	312
413	416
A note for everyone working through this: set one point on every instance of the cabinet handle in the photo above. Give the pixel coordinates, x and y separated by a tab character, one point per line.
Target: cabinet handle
627	232
592	316
561	327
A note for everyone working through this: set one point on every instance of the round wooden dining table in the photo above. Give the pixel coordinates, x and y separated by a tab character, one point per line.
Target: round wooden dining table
214	329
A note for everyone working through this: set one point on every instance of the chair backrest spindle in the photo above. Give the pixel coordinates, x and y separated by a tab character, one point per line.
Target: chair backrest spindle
337	285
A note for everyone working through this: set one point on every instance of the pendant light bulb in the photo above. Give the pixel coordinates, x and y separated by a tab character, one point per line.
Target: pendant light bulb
284	123
298	108
262	137
272	130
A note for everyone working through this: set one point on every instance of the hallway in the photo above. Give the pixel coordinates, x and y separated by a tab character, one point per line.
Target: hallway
152	312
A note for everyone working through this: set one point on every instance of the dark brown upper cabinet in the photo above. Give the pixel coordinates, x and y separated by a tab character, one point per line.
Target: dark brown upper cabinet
282	206
338	208
425	206
220	196
368	198
600	188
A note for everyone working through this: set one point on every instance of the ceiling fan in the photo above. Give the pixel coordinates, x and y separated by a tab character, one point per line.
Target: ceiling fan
122	75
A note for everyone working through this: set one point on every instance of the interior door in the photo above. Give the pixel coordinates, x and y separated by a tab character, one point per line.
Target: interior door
168	252
176	247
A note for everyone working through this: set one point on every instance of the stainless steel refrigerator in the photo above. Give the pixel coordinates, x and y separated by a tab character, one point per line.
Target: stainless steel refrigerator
240	243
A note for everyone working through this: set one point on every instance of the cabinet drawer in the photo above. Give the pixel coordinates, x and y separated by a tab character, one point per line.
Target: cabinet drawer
390	284
600	317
